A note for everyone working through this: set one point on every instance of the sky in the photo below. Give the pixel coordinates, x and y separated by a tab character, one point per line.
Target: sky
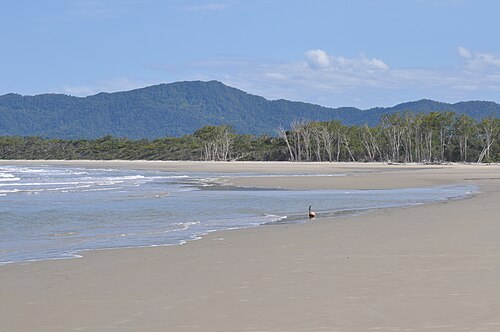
362	53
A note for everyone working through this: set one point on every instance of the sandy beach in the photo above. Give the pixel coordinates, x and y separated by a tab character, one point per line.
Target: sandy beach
432	267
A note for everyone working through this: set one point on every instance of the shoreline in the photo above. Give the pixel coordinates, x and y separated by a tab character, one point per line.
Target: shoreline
294	277
341	175
332	216
260	180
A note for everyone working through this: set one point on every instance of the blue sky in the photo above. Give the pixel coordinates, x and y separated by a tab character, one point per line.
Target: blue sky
362	53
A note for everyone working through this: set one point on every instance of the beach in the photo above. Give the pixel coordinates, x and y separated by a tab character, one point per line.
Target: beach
432	267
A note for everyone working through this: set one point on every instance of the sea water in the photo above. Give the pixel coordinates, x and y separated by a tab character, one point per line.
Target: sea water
50	212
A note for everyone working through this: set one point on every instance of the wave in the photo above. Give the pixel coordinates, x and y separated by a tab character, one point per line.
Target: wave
13	179
43	170
185	225
87	182
127	177
8	177
101	189
169	177
63	234
20	191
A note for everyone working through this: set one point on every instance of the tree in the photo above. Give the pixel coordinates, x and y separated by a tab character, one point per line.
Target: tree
217	142
406	137
488	130
282	133
370	139
464	127
393	128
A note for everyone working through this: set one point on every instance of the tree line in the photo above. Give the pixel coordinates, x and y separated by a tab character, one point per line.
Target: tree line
435	137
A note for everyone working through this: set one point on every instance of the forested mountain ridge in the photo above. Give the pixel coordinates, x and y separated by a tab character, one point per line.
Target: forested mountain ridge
181	108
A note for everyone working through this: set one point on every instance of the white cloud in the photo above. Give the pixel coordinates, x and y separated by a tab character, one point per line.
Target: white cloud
354	81
464	53
378	64
486	59
317	59
480	71
477	60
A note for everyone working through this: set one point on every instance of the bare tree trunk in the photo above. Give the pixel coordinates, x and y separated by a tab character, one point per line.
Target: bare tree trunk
346	143
327	142
283	134
486	150
339	141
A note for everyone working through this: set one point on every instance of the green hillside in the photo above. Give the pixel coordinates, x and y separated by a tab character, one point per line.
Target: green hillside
181	108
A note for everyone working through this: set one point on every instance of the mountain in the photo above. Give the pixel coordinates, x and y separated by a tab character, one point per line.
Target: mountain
181	108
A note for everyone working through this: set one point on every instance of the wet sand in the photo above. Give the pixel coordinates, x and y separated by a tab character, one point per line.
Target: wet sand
427	268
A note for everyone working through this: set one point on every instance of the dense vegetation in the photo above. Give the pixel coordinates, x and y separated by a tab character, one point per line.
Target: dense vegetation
399	137
179	109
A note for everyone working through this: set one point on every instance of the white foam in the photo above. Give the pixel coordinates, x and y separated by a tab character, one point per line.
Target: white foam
169	177
275	218
6	175
27	170
20	190
36	184
97	181
68	188
63	234
122	178
10	179
185	225
99	189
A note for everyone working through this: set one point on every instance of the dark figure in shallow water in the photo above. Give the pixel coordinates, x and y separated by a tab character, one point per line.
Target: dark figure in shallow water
312	214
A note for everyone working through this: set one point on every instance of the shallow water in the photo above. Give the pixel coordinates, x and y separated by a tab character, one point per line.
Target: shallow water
49	212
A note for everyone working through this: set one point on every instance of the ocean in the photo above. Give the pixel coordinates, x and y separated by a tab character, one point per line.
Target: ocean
51	212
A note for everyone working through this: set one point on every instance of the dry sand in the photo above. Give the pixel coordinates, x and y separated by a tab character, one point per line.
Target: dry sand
428	268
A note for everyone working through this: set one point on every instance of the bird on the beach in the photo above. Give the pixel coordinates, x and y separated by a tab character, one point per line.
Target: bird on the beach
312	214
